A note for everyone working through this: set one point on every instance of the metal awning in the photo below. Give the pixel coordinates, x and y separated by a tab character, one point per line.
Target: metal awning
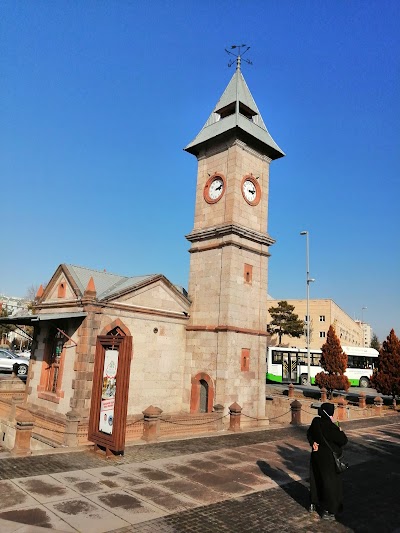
31	320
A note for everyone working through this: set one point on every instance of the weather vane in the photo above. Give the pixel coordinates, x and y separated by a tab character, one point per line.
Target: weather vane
239	55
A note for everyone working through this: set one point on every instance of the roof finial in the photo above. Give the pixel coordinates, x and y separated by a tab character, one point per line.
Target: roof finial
238	56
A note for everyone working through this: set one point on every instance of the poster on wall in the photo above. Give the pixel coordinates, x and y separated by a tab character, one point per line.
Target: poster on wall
109	387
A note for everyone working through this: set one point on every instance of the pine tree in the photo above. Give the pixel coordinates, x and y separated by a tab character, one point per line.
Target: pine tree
375	342
284	321
334	362
386	378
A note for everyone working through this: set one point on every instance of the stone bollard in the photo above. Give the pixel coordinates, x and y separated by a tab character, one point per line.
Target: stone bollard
150	423
378	402
15	400
219	409
362	400
394	404
235	412
342	409
71	429
295	407
323	395
291	390
23	433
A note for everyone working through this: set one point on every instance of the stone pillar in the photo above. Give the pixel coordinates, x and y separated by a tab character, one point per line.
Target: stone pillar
15	400
23	433
362	400
235	412
151	423
291	390
342	409
378	402
71	429
295	407
219	409
323	395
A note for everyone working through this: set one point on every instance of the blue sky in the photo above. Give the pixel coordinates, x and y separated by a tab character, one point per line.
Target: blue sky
98	99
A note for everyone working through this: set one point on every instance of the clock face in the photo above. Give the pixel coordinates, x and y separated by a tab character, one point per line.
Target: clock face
214	188
251	190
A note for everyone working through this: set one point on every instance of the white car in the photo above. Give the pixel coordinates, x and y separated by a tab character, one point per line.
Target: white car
8	360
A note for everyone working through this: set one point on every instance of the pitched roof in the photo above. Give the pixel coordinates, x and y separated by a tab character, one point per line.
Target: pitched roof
106	284
236	110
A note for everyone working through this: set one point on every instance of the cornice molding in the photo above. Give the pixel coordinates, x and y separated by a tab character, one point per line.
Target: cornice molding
223	244
181	315
225	230
226	144
226	328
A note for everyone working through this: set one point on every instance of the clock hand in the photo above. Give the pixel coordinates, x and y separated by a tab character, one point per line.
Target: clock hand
218	188
253	191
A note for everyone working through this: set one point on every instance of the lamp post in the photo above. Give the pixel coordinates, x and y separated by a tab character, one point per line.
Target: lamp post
362	314
308	281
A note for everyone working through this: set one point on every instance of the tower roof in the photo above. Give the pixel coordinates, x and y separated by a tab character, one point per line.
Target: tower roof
236	112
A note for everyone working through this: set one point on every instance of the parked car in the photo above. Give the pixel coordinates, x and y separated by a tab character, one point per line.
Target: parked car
26	354
8	360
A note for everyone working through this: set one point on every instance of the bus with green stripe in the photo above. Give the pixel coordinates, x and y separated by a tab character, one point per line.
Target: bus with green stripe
289	365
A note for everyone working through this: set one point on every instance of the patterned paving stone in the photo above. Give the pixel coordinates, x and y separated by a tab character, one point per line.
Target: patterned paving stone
162	487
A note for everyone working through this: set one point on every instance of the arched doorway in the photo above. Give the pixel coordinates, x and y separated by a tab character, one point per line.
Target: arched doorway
202	394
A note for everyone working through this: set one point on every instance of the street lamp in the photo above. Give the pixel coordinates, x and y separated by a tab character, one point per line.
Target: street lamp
308	281
362	314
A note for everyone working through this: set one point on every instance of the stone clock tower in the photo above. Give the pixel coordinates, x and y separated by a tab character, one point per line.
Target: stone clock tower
226	334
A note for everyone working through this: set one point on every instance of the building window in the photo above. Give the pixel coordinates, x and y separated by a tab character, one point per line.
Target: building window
53	360
248	273
49	387
322	318
306	319
62	290
322	334
245	360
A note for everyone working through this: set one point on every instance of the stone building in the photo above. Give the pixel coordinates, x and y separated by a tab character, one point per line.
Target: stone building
185	352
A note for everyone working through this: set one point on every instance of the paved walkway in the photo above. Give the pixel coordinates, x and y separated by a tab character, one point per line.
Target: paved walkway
253	481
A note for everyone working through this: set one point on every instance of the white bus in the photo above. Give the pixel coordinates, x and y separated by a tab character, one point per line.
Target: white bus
289	365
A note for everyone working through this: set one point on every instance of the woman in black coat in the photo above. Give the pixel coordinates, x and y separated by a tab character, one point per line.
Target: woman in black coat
326	489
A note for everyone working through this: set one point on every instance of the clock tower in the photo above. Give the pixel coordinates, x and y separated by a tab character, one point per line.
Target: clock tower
226	334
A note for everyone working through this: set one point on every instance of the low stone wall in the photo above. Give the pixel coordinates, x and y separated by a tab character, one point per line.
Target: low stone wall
278	406
12	394
50	430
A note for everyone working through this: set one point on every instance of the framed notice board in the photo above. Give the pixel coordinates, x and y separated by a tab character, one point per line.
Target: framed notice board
109	401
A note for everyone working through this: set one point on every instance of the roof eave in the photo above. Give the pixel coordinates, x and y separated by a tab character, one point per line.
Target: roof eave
273	152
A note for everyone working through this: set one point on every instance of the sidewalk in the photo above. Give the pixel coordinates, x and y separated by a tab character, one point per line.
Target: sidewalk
253	481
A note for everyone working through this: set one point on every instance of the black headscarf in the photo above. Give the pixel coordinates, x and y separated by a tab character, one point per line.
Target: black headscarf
326	410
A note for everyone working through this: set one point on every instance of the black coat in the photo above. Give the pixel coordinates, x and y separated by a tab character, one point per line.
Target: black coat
326	488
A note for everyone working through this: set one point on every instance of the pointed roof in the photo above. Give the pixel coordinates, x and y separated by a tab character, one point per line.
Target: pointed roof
236	111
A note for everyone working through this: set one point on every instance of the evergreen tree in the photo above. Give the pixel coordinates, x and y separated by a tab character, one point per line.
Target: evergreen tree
386	378
334	362
285	321
375	342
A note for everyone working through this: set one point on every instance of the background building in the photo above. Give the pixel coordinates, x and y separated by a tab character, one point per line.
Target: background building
367	332
13	304
323	313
